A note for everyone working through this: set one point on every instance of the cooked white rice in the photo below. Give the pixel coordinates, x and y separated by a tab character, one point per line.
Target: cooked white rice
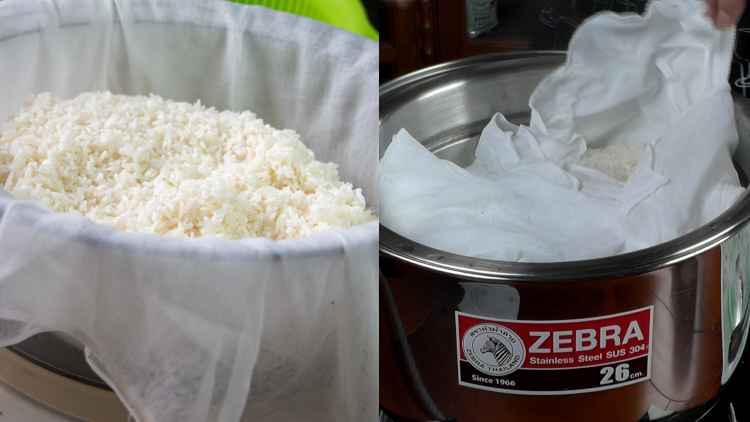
146	164
617	161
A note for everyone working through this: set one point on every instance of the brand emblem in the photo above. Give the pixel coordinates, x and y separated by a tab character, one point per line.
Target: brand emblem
493	349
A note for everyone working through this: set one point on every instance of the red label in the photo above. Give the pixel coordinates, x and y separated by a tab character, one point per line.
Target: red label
554	357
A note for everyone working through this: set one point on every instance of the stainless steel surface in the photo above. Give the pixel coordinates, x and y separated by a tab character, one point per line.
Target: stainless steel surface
57	353
446	106
58	393
15	407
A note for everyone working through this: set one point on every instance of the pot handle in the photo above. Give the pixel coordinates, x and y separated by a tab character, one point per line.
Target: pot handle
423	395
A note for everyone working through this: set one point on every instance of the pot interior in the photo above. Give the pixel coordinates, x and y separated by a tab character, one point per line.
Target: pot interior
446	109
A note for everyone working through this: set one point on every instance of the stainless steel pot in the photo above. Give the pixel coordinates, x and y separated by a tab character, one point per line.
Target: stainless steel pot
473	339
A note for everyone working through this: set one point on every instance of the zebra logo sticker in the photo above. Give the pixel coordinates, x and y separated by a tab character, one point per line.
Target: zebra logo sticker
550	357
493	349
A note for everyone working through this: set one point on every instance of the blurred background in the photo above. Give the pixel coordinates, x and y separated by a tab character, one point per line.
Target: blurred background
420	33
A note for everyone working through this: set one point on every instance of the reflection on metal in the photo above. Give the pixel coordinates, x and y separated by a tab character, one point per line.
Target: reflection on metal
67	396
741	62
441	90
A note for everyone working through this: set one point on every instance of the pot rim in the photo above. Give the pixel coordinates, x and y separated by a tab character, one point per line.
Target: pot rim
641	261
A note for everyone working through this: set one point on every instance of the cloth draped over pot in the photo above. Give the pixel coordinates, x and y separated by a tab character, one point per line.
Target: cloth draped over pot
655	85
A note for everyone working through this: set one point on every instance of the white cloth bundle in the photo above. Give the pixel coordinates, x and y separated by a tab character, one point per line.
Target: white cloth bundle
655	83
184	330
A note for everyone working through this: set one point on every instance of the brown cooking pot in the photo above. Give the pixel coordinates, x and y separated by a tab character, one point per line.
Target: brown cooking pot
648	335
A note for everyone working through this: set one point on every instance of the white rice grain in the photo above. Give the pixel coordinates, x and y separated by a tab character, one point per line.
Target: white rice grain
146	164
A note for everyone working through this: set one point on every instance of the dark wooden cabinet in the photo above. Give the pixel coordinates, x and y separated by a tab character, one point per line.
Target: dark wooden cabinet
420	33
408	36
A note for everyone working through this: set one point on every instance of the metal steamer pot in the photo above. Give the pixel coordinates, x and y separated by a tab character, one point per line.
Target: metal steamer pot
648	335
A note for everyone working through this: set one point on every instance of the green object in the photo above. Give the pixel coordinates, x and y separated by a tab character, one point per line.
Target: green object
344	14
